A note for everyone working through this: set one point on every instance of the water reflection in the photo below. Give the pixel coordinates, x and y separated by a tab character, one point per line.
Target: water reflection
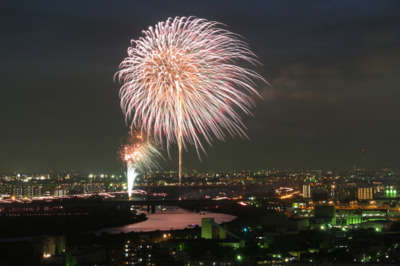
172	218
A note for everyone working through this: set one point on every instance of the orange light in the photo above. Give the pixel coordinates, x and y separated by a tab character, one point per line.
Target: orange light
286	196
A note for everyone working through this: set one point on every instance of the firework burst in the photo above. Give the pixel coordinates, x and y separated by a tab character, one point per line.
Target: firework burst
138	155
185	81
141	153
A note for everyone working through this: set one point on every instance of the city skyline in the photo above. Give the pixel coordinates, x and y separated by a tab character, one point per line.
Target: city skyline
332	70
286	113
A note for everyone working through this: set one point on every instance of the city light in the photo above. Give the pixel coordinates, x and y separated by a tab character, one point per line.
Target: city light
242	203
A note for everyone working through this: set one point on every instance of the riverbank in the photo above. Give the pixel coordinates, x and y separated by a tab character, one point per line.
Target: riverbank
63	217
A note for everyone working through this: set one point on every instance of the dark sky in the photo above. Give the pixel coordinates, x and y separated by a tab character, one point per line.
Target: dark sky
334	67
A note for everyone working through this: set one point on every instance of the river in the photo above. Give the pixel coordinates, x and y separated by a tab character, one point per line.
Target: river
173	218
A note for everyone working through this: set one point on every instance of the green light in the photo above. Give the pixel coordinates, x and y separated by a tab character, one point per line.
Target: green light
239	257
322	227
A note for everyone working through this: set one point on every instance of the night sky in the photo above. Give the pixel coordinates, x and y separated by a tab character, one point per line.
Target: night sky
334	69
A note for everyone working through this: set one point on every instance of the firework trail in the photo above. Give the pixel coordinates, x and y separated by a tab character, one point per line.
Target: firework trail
131	175
186	81
138	155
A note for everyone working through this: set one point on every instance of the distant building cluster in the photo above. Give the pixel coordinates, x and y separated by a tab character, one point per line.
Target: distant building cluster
343	185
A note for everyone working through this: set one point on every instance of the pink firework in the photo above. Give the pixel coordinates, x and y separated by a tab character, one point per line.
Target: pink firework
140	153
185	81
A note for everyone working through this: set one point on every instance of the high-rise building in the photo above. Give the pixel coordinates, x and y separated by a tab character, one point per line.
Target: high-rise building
365	193
306	191
211	230
332	193
207	228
